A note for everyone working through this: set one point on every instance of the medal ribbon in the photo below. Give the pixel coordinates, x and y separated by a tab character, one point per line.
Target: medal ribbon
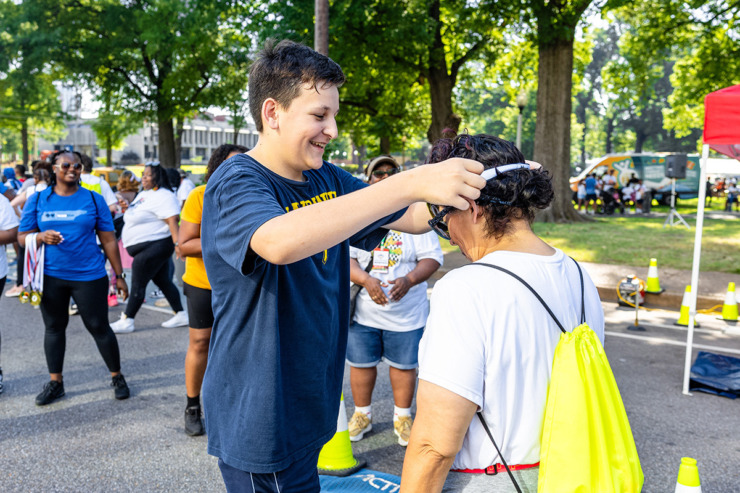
33	275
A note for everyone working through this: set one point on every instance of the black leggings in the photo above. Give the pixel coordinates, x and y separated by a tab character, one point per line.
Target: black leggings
151	263
92	301
21	261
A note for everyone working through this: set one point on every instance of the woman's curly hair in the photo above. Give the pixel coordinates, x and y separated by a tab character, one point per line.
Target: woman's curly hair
513	195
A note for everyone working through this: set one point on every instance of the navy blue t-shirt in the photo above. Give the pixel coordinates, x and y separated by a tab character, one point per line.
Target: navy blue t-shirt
276	360
76	217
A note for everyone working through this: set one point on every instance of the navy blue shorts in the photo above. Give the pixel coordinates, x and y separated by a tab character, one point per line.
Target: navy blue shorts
367	346
301	476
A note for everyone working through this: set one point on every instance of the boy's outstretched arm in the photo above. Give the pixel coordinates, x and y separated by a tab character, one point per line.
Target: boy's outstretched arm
309	230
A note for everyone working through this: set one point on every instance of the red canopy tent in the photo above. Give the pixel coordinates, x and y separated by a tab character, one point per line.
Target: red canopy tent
721	133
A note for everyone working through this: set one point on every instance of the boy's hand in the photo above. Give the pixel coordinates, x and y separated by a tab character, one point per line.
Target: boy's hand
450	182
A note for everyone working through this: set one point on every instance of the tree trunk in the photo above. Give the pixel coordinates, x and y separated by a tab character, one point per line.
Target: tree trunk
552	131
166	141
236	121
108	151
441	83
640	137
609	135
24	140
385	145
178	142
321	28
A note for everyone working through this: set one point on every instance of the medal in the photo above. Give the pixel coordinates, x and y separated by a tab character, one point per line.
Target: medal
35	298
24	297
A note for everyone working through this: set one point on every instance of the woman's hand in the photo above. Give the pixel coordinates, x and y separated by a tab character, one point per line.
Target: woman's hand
178	255
122	288
50	237
375	290
400	287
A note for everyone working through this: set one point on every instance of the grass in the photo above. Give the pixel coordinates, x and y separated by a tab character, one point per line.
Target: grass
634	240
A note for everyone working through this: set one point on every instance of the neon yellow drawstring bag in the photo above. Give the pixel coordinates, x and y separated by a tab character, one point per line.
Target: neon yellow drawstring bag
587	443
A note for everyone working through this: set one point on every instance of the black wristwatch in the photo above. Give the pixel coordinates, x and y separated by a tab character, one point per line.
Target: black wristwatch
122	276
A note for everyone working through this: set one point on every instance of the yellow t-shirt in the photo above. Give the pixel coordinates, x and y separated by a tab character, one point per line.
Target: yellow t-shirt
192	212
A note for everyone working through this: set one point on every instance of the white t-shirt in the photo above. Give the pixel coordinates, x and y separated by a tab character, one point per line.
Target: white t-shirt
186	186
489	340
411	311
581	190
105	189
144	218
609	181
35	188
8	220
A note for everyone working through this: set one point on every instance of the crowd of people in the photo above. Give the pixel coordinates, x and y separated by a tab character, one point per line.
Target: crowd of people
272	244
606	193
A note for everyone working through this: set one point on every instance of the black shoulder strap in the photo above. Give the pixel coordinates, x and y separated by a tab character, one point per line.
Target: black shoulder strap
501	456
95	203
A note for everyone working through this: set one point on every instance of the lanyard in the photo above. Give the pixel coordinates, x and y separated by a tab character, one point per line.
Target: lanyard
33	275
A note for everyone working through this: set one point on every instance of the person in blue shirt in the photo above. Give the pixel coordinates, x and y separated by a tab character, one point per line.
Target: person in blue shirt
67	218
591	196
10	180
276	229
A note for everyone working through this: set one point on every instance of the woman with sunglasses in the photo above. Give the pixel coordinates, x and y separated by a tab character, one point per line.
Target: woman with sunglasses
150	236
66	219
489	343
389	318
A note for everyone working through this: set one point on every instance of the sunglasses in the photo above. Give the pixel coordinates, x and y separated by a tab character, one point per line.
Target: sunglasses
66	166
437	222
379	173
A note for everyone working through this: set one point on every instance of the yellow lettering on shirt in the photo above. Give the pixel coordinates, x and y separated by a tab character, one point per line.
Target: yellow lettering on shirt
313	200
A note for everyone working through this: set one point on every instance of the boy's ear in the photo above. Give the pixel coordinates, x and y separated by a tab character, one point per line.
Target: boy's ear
270	113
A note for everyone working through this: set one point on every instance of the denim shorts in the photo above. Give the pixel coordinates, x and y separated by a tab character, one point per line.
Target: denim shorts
367	346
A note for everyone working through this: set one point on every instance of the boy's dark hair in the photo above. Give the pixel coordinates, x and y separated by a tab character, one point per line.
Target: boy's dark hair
21	168
159	177
282	69
516	194
220	154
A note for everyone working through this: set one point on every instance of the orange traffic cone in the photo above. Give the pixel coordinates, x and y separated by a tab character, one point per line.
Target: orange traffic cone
336	458
688	477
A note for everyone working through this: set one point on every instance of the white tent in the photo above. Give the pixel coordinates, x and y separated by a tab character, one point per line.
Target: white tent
721	133
723	167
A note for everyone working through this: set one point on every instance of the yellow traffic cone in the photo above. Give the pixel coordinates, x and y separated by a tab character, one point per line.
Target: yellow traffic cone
683	317
688	477
653	282
729	309
336	458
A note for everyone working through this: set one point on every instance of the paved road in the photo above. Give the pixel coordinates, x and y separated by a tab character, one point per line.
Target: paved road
89	442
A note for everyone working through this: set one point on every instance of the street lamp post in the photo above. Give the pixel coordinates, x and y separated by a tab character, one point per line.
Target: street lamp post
521	102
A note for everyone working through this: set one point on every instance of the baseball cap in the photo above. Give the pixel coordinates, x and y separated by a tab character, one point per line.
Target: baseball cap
377	161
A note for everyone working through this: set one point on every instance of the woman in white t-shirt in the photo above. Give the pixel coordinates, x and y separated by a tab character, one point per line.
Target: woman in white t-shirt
150	235
489	343
41	179
8	233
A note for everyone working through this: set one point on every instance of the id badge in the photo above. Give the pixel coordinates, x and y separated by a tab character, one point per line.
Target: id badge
381	260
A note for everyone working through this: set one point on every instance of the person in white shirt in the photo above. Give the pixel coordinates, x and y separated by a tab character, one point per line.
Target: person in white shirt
609	180
489	344
150	236
388	322
8	233
186	186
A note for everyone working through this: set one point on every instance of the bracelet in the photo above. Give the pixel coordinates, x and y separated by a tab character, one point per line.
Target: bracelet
177	243
122	275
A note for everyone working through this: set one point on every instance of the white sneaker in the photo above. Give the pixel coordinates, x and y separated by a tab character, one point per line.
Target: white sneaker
123	326
179	320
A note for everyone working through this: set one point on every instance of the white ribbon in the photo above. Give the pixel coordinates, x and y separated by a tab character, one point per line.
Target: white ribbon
33	274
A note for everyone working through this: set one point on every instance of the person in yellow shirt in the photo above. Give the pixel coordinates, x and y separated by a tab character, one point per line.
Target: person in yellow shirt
198	292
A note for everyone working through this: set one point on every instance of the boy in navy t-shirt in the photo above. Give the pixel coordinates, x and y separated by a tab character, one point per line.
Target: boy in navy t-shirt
277	225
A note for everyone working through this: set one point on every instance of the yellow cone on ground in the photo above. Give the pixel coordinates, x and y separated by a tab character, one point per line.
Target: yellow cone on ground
683	317
688	477
729	309
336	458
653	282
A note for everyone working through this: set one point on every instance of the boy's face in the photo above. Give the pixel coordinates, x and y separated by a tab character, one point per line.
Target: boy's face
306	127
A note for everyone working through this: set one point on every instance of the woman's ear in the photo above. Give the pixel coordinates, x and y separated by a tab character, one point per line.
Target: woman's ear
476	210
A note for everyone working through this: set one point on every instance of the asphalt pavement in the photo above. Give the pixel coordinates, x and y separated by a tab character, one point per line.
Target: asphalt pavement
89	442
